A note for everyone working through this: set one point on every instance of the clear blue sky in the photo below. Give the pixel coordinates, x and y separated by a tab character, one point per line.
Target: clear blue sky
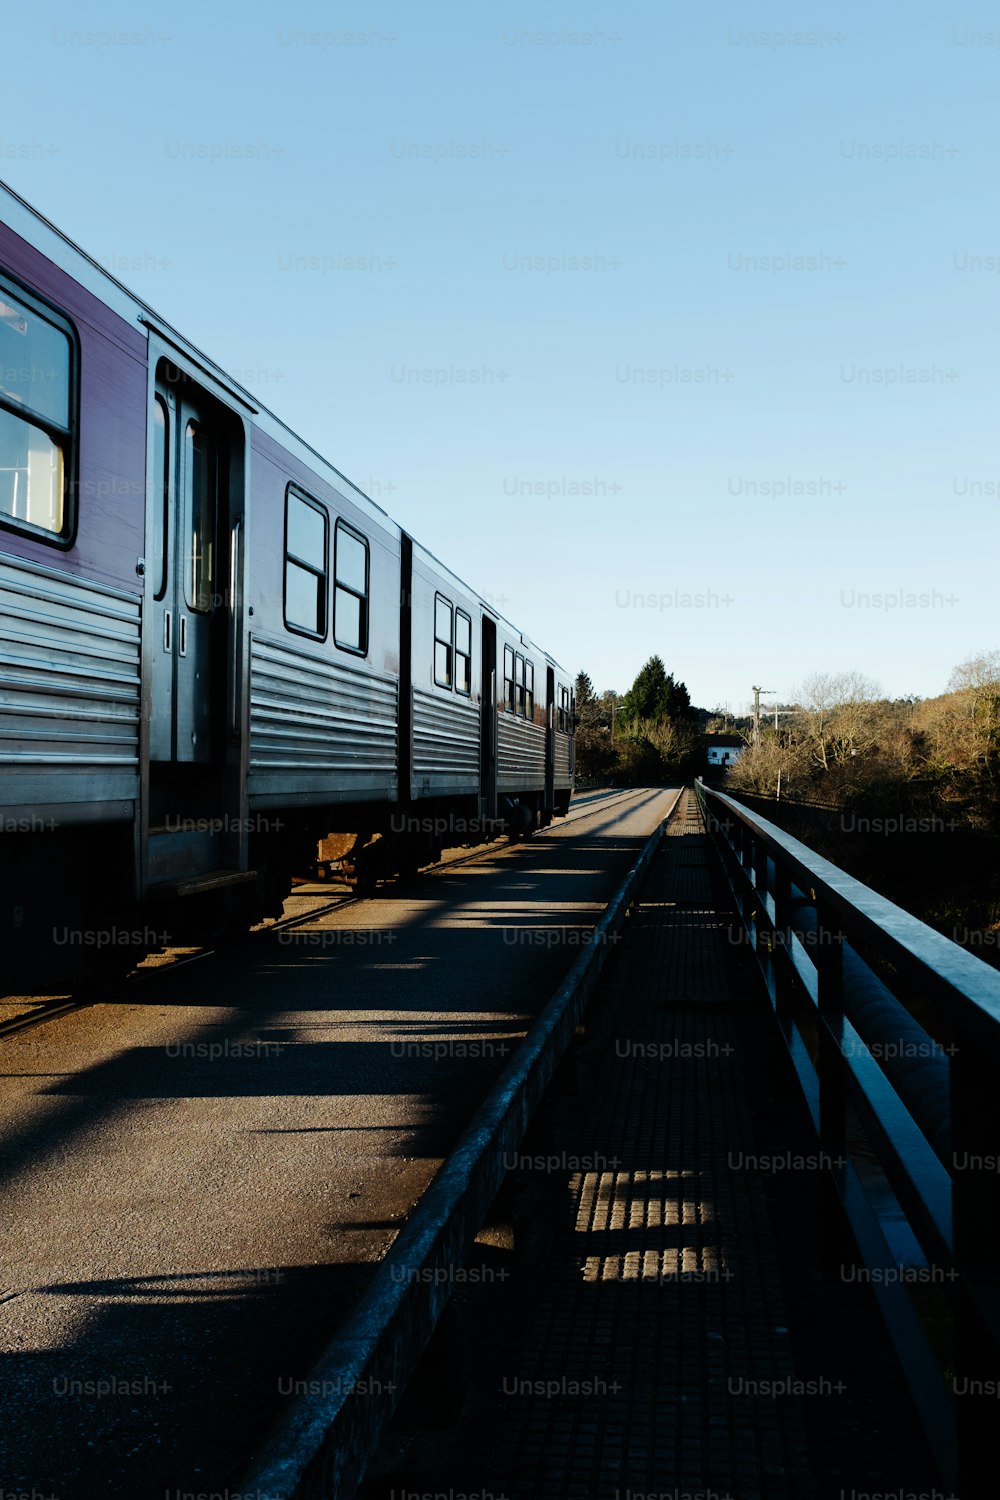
235	161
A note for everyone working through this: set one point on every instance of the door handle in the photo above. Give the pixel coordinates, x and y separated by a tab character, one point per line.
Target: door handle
166	630
183	643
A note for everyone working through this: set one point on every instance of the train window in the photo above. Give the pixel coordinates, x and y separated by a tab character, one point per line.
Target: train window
463	653
351	574
529	690
561	723
443	641
36	426
161	494
509	700
306	551
201	489
519	684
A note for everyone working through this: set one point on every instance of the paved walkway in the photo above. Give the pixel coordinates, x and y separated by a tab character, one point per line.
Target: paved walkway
659	1361
200	1175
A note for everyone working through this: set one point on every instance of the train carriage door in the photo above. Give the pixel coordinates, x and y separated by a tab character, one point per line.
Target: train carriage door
550	737
572	737
189	579
488	721
161	721
199	592
195	490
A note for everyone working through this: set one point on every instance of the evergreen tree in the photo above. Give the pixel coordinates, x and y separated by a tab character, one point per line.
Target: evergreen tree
587	701
655	697
647	698
595	751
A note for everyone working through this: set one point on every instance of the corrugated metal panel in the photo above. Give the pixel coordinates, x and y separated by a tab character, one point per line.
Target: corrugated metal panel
561	759
445	741
307	713
520	754
70	675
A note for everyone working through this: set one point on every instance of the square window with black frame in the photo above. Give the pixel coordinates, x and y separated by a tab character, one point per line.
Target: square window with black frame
351	589
37	369
306	552
463	653
443	642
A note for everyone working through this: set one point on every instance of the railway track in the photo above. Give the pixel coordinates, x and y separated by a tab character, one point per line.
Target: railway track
42	1012
51	1010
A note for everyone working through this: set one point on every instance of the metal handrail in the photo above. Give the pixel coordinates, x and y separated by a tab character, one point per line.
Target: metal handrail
845	970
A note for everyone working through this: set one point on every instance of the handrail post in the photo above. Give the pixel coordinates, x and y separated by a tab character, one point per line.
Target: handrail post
975	1143
832	1075
782	956
742	845
763	943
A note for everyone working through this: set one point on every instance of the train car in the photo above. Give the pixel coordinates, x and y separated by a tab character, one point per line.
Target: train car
482	741
475	761
214	649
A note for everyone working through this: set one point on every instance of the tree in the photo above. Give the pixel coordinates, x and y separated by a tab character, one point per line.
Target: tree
608	709
595	752
961	732
759	766
837	715
659	738
584	691
647	698
654	697
978	672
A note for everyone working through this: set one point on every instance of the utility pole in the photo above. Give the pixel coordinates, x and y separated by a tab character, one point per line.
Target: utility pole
756	712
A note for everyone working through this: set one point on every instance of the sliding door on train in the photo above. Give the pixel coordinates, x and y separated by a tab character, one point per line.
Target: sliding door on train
184	723
192	621
550	738
488	721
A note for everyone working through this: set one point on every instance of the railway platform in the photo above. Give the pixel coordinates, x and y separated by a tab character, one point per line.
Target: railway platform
205	1166
676	1339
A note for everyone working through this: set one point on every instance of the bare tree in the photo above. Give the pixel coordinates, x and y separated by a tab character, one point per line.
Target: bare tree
978	672
759	766
961	729
837	715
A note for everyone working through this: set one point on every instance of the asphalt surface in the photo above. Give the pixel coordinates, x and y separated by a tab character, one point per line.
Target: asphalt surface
198	1180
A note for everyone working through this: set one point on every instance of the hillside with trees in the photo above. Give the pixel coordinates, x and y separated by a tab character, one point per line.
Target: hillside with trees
903	793
846	746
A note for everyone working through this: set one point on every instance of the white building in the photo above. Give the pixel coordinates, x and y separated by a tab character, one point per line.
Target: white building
723	749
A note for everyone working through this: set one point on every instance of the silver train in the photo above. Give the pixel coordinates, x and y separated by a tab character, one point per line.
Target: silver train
216	651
